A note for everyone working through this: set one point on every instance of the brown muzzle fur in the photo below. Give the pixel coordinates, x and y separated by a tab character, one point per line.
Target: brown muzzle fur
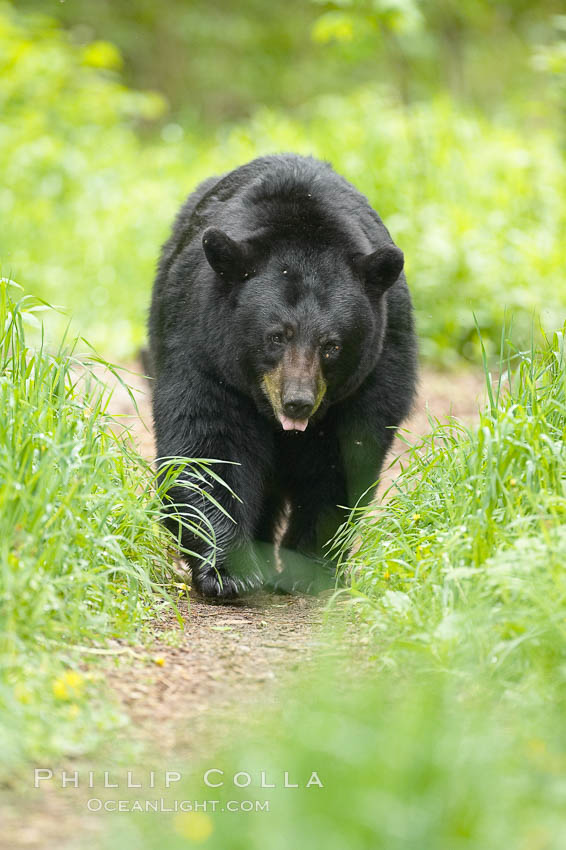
296	378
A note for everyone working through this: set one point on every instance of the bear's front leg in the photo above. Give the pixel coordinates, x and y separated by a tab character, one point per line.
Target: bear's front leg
214	523
214	535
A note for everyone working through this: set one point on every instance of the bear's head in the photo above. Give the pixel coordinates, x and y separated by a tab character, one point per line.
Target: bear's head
310	318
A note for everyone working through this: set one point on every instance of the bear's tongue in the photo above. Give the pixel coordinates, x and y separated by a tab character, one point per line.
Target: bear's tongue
293	424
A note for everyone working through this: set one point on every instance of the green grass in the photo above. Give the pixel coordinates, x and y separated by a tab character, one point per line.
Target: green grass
83	556
409	760
78	512
470	549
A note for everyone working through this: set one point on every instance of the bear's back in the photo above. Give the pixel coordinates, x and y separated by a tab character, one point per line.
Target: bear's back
296	196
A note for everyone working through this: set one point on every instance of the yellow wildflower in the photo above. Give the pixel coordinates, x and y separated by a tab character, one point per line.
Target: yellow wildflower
69	684
196	826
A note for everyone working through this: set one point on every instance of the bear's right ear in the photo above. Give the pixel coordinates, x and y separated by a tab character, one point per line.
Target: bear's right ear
381	269
227	257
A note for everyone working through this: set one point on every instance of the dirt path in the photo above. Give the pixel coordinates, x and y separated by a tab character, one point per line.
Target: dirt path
183	683
230	655
225	658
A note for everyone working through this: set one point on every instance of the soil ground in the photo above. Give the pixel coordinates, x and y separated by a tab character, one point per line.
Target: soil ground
180	688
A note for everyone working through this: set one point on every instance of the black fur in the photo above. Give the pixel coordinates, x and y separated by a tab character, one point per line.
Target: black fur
280	242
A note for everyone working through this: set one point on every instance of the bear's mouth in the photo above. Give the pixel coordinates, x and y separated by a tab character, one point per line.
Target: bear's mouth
292	424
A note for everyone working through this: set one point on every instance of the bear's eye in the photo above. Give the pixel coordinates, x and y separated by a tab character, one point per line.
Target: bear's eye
276	339
330	349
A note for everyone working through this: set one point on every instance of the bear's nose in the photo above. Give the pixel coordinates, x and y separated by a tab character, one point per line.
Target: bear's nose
299	407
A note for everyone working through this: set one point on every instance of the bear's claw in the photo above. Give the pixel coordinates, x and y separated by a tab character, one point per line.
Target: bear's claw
219	585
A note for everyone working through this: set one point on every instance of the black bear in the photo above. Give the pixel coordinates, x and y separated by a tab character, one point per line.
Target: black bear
281	340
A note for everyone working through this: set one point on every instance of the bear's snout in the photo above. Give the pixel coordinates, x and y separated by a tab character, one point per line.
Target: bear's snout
297	404
295	388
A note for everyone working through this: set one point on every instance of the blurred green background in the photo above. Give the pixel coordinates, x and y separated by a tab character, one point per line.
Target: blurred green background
449	116
448	731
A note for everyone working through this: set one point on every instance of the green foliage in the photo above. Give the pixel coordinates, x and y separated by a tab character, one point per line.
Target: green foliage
464	563
409	761
79	514
213	62
218	62
81	549
83	556
475	50
68	155
478	209
550	59
365	20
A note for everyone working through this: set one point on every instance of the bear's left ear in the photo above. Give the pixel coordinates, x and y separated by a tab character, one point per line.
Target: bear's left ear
381	269
227	257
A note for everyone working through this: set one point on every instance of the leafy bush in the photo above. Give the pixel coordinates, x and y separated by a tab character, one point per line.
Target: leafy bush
68	154
478	206
216	62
